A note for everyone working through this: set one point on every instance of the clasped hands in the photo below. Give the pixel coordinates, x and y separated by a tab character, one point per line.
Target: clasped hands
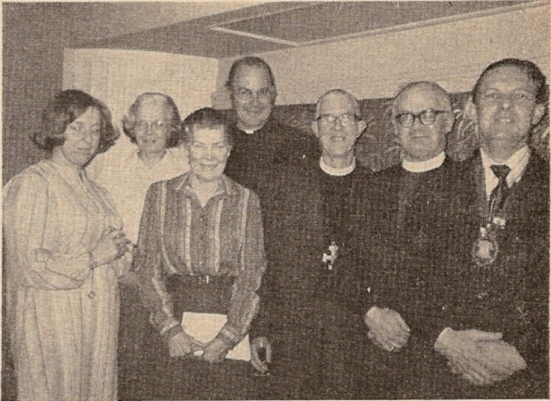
387	329
184	345
480	357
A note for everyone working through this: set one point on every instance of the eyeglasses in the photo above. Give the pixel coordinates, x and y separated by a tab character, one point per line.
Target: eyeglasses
344	119
155	125
247	95
427	117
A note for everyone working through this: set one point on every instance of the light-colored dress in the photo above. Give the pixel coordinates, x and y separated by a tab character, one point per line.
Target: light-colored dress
64	340
127	178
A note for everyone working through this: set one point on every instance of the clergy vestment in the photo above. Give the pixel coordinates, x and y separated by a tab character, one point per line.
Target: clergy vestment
256	156
398	241
304	310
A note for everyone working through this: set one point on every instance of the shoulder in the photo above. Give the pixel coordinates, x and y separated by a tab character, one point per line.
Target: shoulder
239	190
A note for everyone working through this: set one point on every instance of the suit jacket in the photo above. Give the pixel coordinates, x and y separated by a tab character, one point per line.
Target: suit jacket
510	295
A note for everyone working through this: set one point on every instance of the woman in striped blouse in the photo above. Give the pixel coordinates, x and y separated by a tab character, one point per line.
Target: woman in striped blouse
200	251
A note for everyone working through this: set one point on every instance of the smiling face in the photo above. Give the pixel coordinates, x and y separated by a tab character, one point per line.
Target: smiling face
253	96
152	127
506	108
423	142
82	138
337	126
208	153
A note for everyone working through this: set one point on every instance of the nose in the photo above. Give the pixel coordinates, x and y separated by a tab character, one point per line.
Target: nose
88	137
209	154
338	123
505	102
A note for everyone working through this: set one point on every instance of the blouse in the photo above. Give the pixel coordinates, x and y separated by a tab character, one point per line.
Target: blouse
222	239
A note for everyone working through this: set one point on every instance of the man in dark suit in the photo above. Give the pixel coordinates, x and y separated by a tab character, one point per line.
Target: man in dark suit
304	312
494	281
261	143
397	241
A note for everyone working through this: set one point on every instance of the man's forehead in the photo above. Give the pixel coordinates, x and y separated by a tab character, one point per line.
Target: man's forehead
421	98
248	74
508	75
337	102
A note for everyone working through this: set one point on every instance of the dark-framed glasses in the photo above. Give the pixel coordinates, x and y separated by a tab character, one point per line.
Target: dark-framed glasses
344	119
155	125
427	117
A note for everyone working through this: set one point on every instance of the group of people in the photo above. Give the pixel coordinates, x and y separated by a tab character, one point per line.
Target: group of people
160	272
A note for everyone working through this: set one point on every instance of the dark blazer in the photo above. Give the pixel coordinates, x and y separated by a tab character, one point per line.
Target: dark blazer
510	295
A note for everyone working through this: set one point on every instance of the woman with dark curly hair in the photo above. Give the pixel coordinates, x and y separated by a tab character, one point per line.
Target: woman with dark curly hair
64	253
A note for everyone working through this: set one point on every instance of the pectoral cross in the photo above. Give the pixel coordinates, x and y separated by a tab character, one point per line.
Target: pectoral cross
331	257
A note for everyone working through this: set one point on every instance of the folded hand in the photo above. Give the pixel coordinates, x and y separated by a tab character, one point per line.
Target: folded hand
388	330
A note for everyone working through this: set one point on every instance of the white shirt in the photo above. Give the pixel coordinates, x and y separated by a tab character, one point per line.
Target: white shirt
517	163
424	166
339	172
127	178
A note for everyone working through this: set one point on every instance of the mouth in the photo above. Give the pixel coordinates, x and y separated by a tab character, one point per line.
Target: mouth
338	138
505	120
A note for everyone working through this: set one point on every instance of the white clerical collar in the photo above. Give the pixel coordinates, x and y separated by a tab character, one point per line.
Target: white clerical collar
424	166
517	162
339	172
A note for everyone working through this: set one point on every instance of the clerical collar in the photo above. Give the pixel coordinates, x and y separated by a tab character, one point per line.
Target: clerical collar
424	166
339	172
517	163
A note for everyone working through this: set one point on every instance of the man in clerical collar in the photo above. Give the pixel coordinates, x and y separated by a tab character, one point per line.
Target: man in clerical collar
261	143
497	315
422	116
338	125
398	239
305	297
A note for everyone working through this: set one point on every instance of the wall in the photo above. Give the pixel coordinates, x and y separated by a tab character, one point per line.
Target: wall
118	76
376	66
33	36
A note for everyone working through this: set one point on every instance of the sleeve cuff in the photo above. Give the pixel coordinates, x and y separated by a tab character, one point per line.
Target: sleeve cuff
171	329
442	339
229	335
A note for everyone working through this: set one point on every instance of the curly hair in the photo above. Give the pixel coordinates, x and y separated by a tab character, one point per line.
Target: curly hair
129	121
207	117
66	107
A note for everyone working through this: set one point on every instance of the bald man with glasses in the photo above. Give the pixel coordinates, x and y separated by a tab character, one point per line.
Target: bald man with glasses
398	239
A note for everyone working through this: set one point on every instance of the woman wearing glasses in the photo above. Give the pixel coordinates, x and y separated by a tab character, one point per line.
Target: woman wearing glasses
64	253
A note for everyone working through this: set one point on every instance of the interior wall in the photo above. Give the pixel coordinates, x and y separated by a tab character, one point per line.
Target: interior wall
118	76
32	72
454	54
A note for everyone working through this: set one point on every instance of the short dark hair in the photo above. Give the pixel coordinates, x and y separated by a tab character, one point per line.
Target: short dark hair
532	71
129	121
66	107
206	117
251	61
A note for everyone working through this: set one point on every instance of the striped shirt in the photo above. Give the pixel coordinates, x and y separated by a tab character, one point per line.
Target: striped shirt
222	239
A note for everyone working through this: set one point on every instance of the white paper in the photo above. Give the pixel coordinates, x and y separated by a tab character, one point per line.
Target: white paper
205	326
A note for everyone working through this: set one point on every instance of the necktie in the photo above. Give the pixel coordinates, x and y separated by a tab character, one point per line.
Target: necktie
499	193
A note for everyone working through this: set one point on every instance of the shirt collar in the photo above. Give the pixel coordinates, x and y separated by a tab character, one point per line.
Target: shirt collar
424	166
339	172
517	162
225	186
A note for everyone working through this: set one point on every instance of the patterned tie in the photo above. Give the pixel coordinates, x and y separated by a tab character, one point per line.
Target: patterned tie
499	193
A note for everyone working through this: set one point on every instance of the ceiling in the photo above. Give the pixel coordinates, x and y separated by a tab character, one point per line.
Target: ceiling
227	28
